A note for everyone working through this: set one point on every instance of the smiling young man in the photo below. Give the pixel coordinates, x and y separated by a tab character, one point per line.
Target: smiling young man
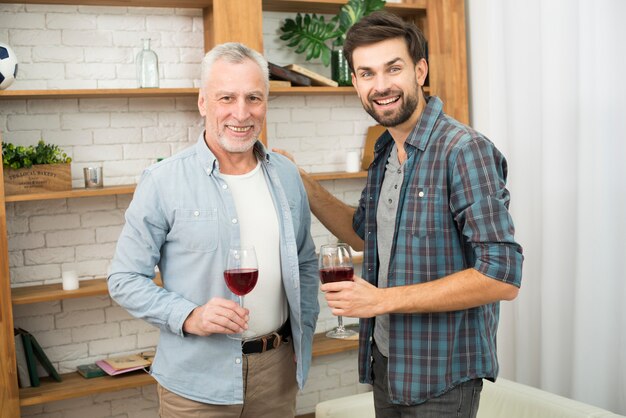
439	241
224	191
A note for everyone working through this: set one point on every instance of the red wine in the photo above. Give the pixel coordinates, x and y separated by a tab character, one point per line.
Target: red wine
241	281
336	274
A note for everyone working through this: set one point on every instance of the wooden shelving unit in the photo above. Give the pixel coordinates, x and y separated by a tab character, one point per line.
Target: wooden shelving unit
443	22
74	385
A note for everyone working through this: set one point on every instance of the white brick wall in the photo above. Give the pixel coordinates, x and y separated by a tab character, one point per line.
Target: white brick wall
95	47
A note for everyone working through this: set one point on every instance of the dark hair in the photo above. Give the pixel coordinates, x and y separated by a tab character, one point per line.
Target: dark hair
380	26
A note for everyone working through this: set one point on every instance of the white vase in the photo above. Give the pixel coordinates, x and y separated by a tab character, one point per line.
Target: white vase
147	67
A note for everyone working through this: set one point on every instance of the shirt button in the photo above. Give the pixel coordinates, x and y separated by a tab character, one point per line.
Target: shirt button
399	171
395	186
234	220
196	213
238	360
224	186
421	194
208	171
390	201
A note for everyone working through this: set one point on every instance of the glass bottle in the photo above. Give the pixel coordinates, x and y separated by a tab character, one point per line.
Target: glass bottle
147	66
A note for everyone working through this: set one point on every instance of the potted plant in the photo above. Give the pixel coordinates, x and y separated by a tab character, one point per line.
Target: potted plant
318	38
32	169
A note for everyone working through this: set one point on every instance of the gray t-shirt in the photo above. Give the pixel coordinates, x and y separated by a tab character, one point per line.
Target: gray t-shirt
385	228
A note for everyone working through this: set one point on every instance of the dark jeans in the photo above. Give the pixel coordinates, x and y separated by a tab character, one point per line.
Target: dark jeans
459	402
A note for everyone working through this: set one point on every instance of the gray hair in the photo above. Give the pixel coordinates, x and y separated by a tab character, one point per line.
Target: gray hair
235	53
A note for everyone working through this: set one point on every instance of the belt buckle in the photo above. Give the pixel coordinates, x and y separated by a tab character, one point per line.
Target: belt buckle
275	341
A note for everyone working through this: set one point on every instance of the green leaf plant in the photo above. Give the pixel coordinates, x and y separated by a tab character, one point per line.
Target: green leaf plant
311	34
19	156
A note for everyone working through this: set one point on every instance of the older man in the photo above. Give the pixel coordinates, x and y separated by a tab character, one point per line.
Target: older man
226	190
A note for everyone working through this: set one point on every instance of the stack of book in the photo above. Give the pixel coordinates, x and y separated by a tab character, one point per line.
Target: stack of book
31	357
124	364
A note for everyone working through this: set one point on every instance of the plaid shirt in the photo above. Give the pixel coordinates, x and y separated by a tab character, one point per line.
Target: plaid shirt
452	215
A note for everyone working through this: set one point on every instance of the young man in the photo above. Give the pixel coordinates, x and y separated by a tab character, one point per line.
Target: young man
187	211
439	246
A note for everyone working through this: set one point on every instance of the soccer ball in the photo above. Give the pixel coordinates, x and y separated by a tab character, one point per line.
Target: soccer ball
8	66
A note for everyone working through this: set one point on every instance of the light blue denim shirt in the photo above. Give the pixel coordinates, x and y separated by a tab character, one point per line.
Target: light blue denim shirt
183	219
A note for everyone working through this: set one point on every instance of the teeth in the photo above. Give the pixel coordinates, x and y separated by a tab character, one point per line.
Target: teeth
386	101
239	129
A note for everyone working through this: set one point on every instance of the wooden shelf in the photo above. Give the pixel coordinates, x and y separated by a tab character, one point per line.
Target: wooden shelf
333	6
100	191
51	292
322	345
96	93
160	93
75	386
149	93
310	6
130	188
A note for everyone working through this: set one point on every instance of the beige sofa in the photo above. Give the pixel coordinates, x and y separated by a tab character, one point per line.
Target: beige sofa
503	399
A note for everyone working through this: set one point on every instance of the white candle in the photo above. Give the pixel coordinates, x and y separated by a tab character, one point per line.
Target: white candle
70	280
353	162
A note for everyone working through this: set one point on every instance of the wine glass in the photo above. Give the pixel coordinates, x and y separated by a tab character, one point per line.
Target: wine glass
335	265
241	275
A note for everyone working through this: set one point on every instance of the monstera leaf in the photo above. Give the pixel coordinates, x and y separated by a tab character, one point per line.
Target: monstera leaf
311	34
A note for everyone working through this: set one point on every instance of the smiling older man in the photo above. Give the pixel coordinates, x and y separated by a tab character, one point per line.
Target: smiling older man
227	190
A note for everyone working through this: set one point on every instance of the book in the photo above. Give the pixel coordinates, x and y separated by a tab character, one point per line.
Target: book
280	73
316	79
279	83
90	370
124	364
22	364
30	358
43	358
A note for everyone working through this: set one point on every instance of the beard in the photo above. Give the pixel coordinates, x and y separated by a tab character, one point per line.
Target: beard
391	118
236	145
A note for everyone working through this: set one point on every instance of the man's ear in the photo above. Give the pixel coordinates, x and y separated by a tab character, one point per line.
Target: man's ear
421	71
201	103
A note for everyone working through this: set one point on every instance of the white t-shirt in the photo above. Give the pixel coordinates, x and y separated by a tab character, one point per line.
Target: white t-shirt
258	225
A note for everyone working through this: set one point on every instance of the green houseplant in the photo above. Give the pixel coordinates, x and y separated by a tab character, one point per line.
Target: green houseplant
33	169
19	156
317	37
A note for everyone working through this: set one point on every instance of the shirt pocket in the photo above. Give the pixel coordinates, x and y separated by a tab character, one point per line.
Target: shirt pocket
423	210
196	229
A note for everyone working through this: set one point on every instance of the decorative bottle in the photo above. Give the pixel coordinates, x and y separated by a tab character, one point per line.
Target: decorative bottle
147	67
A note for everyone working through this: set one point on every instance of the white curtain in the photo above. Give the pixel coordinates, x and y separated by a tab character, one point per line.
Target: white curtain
547	86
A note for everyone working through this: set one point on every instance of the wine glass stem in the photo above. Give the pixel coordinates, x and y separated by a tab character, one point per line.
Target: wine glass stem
340	327
241	301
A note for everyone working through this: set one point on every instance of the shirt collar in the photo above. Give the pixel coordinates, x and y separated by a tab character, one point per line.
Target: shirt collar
209	161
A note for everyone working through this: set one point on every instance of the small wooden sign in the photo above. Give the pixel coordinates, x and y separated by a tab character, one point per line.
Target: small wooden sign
38	178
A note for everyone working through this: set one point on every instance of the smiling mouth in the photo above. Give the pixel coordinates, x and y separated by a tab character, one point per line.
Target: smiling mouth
387	101
239	129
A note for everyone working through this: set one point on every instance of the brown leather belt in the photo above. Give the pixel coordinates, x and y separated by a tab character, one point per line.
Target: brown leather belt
267	342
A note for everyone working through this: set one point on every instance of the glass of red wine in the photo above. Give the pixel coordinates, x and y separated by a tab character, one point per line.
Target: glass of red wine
335	264
241	275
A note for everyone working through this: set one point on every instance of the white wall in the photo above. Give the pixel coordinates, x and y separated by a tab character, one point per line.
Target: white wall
94	47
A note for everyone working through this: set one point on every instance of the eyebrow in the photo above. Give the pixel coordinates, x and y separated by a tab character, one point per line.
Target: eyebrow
387	64
233	93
